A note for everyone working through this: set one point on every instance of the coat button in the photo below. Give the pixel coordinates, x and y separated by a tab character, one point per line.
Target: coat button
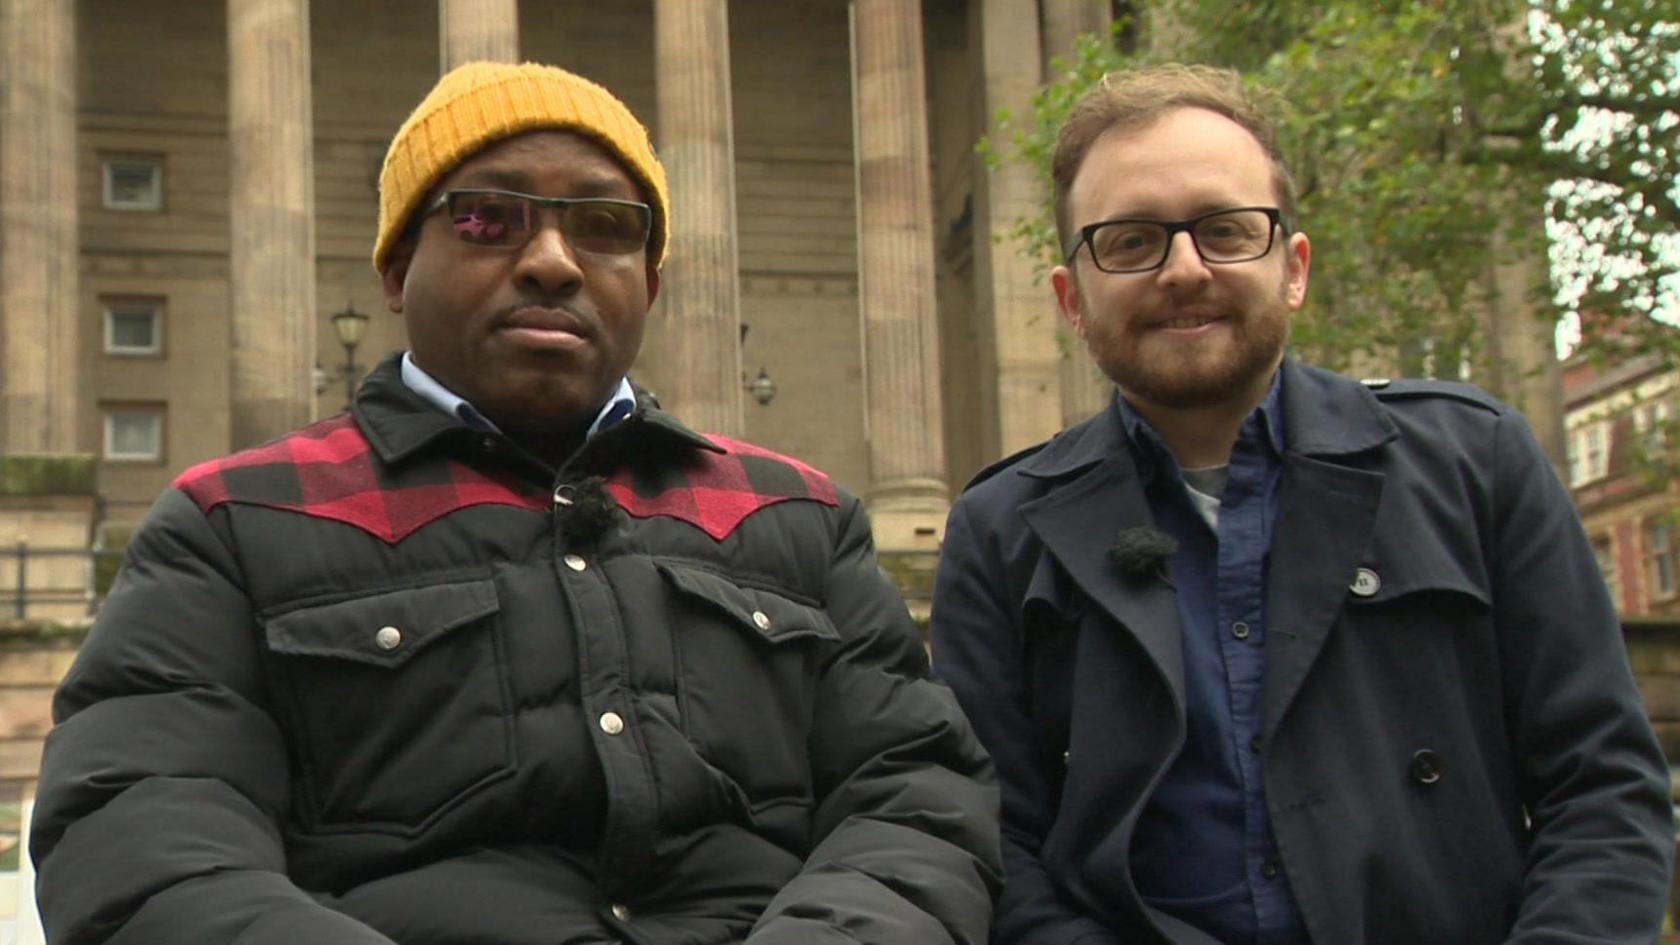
388	638
575	562
563	495
1239	630
620	911
1426	767
1365	582
1269	869
612	723
761	620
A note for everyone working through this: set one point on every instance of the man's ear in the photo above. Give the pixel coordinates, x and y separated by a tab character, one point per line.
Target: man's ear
1068	299
652	283
1297	261
396	273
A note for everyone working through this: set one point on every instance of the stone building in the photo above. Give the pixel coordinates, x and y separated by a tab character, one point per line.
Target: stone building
189	194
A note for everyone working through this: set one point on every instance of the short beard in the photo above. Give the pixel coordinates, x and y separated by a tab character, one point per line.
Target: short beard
1257	344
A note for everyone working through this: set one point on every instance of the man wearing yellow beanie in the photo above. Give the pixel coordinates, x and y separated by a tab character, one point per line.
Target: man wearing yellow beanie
506	655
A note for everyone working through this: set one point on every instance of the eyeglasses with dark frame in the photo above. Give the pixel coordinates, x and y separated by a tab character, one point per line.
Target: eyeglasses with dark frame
1237	235
506	219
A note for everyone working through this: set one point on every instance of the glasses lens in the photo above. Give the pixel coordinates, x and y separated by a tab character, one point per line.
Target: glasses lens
611	227
1129	244
489	219
1235	236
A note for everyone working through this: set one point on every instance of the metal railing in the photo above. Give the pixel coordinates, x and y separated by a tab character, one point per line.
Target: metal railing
29	579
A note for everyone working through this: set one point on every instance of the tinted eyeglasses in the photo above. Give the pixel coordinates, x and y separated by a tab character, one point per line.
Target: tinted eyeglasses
1237	235
507	219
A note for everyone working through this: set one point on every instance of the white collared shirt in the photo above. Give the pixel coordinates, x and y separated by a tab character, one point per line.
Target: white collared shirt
452	403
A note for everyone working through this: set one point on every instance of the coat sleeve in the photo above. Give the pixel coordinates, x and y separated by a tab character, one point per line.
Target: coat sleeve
977	651
165	779
1590	772
905	827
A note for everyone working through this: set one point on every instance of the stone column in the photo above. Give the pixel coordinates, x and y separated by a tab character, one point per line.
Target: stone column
272	210
907	496
39	301
1017	315
700	301
477	29
1084	388
1520	347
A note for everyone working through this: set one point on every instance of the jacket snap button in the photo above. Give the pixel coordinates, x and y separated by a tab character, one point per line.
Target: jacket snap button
1269	869
563	495
612	723
1239	630
576	562
620	911
761	619
388	638
1426	767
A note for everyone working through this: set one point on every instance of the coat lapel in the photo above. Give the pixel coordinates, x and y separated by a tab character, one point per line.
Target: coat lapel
1326	512
1078	520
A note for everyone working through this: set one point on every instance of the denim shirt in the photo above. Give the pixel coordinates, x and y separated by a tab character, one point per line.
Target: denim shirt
1203	850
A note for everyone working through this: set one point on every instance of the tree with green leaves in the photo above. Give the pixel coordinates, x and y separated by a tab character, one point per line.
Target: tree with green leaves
1434	142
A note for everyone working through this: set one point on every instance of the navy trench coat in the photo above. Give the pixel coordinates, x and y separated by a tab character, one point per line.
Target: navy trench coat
1453	747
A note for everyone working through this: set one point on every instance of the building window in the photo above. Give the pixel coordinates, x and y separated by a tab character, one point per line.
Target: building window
1604	551
134	327
1659	551
1589	452
1651	421
134	433
134	183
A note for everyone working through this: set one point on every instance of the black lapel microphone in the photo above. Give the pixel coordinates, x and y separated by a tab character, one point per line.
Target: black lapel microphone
1142	551
590	513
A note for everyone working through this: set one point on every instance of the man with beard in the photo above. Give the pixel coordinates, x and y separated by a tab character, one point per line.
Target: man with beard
1265	655
507	655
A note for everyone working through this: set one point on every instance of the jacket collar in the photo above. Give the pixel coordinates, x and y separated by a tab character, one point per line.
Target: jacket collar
399	423
1325	414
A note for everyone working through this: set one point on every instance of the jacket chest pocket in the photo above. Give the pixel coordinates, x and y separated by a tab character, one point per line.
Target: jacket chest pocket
748	662
395	704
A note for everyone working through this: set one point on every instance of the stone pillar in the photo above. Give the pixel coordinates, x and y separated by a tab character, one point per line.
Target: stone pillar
469	30
272	210
700	301
1520	348
907	496
1017	314
39	311
1084	388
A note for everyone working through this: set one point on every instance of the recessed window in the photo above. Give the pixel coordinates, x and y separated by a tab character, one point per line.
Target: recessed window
134	183
1604	552
134	433
134	327
1659	551
1589	452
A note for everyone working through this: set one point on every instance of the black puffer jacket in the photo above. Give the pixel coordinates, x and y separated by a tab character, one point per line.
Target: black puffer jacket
390	679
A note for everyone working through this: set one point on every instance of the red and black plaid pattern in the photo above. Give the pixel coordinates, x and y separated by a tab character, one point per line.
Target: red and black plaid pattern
328	470
715	492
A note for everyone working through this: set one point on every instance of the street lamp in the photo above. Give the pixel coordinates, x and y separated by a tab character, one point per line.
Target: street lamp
350	326
762	388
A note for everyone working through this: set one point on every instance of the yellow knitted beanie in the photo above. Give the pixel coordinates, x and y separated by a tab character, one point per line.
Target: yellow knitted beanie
480	103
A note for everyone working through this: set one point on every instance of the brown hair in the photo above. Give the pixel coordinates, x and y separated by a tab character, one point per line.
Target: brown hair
1136	98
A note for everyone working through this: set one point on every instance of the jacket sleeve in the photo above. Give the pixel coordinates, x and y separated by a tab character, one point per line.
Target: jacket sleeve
905	827
165	779
1590	772
977	651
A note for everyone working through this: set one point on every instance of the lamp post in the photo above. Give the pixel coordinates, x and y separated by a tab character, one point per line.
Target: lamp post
762	388
350	326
